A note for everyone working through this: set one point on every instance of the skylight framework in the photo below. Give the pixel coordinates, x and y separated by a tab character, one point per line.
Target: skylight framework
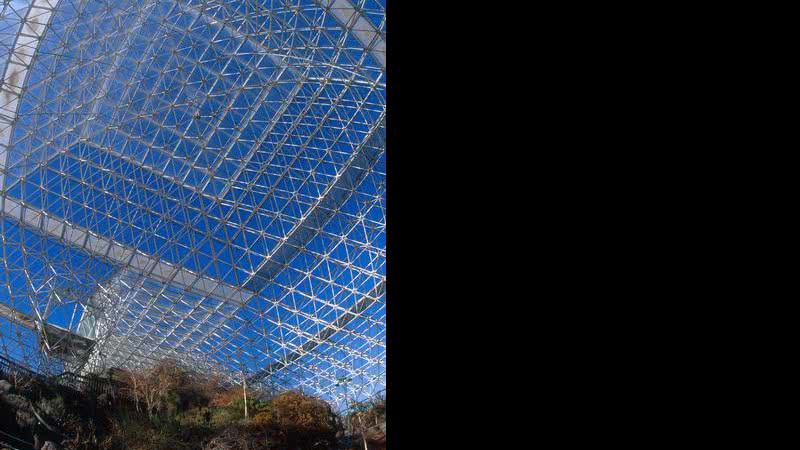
196	180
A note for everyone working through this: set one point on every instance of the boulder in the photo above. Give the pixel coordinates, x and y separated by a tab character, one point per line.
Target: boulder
49	445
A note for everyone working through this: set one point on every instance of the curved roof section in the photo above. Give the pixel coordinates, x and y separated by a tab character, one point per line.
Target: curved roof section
201	180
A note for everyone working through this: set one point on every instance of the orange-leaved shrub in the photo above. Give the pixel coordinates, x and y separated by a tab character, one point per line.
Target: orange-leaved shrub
296	420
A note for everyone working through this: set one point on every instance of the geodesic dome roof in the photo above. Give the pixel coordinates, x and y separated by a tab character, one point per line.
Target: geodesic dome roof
196	180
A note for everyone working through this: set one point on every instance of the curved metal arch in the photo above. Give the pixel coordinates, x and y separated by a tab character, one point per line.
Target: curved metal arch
31	31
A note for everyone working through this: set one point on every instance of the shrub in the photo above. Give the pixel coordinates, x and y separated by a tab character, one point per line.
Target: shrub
241	437
368	419
166	389
232	401
299	421
226	397
369	414
53	410
130	432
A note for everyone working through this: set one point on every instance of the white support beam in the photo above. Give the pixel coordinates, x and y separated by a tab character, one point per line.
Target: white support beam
352	20
334	327
121	254
51	333
31	32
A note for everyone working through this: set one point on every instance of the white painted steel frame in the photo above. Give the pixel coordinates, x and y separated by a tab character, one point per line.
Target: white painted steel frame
290	352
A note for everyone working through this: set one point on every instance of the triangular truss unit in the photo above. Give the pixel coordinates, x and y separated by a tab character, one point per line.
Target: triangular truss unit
200	180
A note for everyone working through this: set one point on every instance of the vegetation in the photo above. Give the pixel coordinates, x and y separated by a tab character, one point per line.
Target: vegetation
368	421
168	408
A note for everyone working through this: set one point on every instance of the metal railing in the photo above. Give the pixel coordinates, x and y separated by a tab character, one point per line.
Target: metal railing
9	369
91	385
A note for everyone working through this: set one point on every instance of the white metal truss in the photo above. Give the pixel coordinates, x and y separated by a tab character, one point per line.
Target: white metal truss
201	180
18	62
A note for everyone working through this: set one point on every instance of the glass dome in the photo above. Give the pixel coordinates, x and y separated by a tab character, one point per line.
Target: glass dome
196	180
